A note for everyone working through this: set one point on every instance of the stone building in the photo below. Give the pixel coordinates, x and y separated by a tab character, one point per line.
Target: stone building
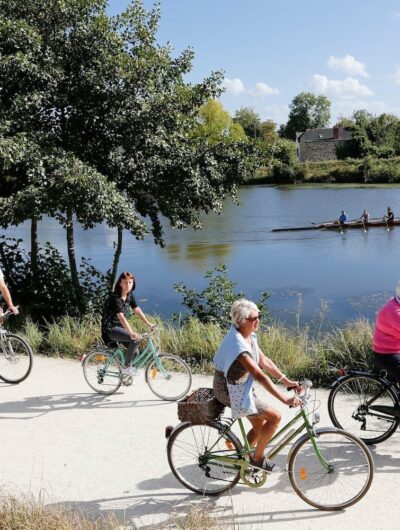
315	145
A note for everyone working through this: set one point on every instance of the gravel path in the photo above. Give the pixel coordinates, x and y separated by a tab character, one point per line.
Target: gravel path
107	454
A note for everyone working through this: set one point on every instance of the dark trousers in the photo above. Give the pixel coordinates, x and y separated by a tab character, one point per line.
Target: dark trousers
389	362
121	335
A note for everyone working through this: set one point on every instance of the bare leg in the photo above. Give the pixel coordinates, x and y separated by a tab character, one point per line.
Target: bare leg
264	428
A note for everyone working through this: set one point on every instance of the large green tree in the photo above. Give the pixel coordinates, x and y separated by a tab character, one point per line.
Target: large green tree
250	120
216	124
307	111
103	123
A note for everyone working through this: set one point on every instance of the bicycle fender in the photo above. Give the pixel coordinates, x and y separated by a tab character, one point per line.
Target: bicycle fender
349	372
231	434
306	436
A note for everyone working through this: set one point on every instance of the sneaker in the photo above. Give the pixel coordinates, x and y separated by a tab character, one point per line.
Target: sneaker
264	464
134	371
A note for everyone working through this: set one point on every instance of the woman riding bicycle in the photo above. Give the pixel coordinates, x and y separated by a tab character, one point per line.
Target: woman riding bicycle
386	339
239	361
115	326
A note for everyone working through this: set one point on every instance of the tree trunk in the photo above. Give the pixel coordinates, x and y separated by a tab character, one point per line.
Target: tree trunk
117	256
72	263
34	254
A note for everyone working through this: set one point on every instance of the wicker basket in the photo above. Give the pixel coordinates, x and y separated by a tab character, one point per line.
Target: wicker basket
200	407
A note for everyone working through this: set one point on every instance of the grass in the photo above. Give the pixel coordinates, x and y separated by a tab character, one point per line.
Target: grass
29	513
294	351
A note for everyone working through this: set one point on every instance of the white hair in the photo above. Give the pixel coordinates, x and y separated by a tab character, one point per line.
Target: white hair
240	310
398	289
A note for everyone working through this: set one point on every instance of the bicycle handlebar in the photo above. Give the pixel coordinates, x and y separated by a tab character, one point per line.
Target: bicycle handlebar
5	316
149	333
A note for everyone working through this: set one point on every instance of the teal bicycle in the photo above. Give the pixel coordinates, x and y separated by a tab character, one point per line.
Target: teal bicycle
328	468
167	375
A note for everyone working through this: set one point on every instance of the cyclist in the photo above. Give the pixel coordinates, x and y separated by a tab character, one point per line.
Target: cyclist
386	339
115	326
7	296
238	362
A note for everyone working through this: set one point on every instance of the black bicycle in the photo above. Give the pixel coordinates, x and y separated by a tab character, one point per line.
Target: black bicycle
365	404
16	357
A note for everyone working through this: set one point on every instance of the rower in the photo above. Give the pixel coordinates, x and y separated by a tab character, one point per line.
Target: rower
343	218
389	217
365	216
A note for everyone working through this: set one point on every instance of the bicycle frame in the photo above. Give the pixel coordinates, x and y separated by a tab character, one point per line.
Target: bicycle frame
150	352
242	463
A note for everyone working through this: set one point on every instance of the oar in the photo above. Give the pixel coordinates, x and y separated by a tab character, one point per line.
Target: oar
387	225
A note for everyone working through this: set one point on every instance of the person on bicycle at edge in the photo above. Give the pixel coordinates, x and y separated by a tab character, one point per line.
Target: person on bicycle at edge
386	339
114	324
7	296
238	363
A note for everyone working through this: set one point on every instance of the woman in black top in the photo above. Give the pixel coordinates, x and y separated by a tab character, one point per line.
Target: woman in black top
115	326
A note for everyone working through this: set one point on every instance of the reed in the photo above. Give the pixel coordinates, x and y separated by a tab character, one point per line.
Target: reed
295	351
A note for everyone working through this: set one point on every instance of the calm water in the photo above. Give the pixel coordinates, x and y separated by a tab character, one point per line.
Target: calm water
343	276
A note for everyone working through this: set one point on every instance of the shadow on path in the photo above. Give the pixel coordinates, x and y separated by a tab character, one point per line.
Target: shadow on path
36	406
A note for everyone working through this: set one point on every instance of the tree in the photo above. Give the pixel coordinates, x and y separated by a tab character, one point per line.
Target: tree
217	125
249	120
268	132
307	111
111	121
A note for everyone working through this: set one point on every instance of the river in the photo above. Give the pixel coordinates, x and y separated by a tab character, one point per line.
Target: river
312	276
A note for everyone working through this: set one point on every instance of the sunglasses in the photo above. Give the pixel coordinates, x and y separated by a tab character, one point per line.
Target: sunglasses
253	319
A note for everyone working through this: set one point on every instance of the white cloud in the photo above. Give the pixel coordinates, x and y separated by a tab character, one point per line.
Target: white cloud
262	89
346	107
345	88
395	14
235	87
348	64
396	76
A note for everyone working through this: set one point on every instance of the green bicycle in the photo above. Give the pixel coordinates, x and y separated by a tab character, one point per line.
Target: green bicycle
167	375
328	468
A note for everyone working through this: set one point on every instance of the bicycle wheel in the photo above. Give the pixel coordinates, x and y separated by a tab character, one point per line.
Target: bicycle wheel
102	372
190	449
16	359
168	377
345	483
350	403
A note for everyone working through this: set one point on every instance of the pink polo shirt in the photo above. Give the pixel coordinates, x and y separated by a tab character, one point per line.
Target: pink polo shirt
386	337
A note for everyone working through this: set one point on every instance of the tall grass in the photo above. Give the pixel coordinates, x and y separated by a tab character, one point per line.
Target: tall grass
27	513
294	351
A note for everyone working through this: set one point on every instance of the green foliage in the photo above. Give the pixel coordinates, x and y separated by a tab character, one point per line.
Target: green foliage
52	296
216	124
249	120
307	111
213	304
268	132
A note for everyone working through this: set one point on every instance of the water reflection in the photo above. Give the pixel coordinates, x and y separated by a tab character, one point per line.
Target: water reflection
351	273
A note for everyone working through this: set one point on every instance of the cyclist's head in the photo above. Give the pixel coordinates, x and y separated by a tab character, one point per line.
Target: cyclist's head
125	277
240	311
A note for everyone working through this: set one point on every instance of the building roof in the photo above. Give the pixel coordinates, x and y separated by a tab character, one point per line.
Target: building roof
326	133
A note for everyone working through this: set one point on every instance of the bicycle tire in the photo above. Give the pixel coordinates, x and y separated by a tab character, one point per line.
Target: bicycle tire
186	450
12	358
349	479
348	409
95	369
173	386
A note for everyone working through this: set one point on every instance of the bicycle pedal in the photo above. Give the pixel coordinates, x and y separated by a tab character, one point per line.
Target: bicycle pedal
127	380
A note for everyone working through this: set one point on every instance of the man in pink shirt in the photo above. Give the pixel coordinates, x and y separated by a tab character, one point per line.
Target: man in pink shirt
386	339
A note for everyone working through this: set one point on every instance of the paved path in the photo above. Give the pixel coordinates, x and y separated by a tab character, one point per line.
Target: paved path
107	454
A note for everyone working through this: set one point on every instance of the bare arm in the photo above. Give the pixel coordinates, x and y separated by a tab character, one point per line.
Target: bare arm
7	297
247	362
142	316
272	369
126	325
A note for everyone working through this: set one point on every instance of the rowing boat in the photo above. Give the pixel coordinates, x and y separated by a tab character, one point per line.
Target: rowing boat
335	225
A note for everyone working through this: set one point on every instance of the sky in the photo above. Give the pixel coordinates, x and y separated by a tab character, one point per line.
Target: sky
271	50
